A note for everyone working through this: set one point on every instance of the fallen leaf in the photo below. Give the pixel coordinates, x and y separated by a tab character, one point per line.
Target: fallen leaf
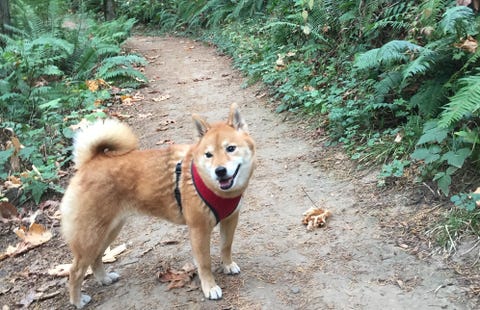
49	203
35	235
8	211
61	270
161	98
110	255
15	182
177	278
94	85
32	237
141	115
127	100
315	217
469	44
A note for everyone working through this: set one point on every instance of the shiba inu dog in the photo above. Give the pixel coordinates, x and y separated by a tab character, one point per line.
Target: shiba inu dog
199	185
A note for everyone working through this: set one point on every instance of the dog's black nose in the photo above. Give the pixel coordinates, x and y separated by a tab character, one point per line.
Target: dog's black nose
221	172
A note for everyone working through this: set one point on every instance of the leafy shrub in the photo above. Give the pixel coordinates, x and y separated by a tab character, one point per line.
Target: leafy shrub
44	65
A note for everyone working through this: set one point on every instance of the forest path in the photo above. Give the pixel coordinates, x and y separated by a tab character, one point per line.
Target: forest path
350	264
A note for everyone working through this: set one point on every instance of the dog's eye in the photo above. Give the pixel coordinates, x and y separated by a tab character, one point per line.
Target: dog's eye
231	148
208	155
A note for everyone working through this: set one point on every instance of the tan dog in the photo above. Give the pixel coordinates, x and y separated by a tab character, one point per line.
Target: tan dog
198	185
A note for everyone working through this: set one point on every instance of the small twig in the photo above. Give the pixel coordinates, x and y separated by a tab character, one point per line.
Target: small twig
450	237
473	247
426	185
310	198
47	296
476	261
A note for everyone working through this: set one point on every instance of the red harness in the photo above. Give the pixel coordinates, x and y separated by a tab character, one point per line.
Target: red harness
221	207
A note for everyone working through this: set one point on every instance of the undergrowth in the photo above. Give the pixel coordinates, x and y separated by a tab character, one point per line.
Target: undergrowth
54	72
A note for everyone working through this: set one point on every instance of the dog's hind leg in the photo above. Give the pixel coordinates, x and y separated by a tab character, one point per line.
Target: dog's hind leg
77	272
227	230
98	268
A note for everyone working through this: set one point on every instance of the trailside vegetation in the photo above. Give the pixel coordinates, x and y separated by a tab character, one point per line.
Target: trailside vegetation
56	69
394	82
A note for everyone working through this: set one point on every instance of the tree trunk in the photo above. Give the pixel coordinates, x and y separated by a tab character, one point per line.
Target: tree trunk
108	9
4	16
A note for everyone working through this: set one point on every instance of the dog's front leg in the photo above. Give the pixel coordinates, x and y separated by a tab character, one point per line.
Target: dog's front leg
227	230
200	239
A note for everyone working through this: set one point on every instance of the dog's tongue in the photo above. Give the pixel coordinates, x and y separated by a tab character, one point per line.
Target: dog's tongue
225	183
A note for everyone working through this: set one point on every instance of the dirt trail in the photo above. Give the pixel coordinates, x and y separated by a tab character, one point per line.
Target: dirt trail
350	264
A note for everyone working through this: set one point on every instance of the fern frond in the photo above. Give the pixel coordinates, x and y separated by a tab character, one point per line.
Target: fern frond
432	11
420	65
457	17
104	50
389	81
55	43
119	68
393	52
430	97
465	102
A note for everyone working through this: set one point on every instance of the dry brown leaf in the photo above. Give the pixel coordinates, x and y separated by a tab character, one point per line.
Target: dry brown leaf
8	211
315	217
32	237
94	85
110	255
35	235
14	181
177	278
469	44
126	100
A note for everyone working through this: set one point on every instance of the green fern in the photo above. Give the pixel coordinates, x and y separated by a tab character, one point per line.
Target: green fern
392	53
120	69
431	11
389	81
458	20
430	97
465	102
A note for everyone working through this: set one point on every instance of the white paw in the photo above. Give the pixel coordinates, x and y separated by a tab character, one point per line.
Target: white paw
231	268
214	293
110	278
84	299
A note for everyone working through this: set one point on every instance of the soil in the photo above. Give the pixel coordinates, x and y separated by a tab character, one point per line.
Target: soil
373	252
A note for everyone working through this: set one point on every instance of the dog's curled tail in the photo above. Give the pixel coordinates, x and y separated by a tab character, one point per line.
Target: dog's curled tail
108	136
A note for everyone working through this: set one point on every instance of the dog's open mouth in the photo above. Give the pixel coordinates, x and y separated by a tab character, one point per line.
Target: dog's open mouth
227	183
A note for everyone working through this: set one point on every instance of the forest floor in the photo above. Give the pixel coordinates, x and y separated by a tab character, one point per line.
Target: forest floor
372	254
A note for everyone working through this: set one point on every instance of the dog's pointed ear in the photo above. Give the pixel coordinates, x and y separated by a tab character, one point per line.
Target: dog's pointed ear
201	125
236	120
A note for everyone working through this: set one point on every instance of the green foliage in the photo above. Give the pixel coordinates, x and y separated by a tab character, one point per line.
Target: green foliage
466	201
464	104
43	67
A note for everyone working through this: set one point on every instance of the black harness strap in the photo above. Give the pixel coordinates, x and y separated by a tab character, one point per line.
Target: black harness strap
178	196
